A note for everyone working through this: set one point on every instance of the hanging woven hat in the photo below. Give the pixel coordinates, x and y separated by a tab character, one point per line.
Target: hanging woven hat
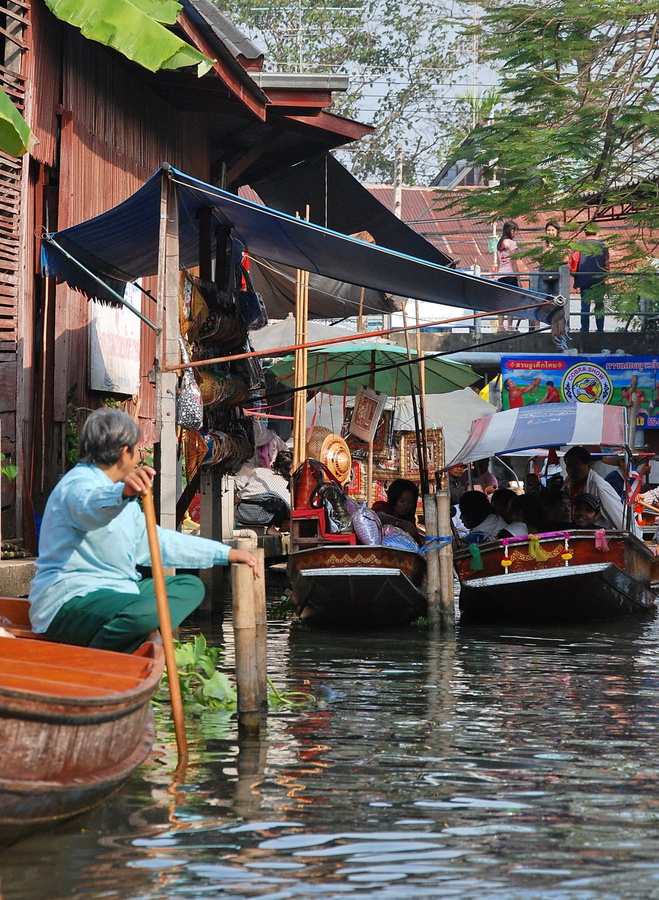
210	389
315	442
334	453
195	448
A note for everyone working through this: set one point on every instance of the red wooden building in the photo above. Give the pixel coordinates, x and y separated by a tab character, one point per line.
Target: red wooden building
102	126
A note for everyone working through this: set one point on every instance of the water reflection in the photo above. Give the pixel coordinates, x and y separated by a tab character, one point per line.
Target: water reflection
488	764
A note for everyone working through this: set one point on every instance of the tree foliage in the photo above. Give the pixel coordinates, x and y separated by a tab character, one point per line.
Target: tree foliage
402	58
576	132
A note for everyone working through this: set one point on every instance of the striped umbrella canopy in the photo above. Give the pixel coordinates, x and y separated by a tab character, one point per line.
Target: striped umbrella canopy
550	425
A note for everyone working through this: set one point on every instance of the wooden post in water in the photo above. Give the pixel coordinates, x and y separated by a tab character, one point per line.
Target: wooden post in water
447	607
261	623
433	585
244	630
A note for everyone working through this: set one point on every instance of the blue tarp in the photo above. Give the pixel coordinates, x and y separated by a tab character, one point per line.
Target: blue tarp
122	244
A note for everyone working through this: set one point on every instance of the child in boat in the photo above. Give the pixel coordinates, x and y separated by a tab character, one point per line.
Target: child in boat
87	590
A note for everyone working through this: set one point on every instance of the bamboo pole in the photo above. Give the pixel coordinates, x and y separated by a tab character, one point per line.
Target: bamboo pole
422	382
369	475
418	426
261	625
360	317
244	629
447	605
432	564
166	629
301	360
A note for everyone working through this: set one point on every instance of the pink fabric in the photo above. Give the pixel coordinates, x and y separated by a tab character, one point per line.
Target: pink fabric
601	541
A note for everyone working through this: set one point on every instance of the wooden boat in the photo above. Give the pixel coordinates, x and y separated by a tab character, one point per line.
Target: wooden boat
352	586
562	577
577	582
74	723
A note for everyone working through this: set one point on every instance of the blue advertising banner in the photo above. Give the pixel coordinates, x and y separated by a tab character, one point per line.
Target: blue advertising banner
530	380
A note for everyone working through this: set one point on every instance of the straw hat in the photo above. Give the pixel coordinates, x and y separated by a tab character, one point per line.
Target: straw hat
335	454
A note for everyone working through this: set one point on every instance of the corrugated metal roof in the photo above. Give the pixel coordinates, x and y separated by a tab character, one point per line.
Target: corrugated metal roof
216	27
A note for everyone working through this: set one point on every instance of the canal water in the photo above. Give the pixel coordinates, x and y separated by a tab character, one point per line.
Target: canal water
489	764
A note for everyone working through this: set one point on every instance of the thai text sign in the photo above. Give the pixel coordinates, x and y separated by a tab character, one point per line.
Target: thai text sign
114	347
529	380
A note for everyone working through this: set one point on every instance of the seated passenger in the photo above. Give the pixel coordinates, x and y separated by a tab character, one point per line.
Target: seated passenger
583	479
527	516
399	509
501	500
557	510
264	496
479	517
587	512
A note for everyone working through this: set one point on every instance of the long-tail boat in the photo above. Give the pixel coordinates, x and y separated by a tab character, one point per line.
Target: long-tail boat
75	723
558	577
338	583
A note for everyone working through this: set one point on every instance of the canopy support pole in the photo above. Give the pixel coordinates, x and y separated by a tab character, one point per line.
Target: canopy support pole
167	348
301	359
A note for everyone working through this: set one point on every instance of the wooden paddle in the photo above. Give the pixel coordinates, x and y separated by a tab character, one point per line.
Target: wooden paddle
166	629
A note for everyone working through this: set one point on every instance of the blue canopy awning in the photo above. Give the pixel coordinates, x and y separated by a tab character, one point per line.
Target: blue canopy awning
122	244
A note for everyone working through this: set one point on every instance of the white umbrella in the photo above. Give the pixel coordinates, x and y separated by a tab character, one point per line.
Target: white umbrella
280	333
454	411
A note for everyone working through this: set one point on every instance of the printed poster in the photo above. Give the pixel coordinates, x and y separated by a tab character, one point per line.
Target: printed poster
528	380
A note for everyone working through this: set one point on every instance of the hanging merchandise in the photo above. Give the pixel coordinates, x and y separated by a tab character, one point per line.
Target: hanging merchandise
250	302
195	449
210	389
232	390
189	407
214	318
250	370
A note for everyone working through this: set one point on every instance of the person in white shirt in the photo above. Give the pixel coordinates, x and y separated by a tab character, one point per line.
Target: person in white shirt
264	496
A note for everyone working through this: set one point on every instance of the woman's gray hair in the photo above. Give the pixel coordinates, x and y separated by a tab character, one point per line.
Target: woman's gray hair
104	435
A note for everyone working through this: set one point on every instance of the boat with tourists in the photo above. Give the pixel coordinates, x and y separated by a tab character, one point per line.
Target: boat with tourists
572	576
75	723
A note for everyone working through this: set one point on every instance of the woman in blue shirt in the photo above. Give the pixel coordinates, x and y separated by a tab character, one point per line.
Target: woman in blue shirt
87	589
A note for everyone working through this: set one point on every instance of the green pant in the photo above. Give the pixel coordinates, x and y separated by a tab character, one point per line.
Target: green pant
110	620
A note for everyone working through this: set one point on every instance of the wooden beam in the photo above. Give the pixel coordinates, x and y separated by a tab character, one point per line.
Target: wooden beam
167	348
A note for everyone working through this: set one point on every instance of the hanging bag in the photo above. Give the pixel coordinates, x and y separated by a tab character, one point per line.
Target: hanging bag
250	302
189	407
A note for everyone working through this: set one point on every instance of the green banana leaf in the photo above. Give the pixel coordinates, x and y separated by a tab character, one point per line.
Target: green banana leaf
133	28
14	130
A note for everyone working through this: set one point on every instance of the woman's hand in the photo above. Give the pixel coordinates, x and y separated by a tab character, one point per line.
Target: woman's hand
246	557
138	481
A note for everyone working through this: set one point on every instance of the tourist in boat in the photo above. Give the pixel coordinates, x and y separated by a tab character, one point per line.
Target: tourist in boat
527	516
581	478
479	517
501	500
587	512
263	494
87	590
558	510
399	509
488	483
